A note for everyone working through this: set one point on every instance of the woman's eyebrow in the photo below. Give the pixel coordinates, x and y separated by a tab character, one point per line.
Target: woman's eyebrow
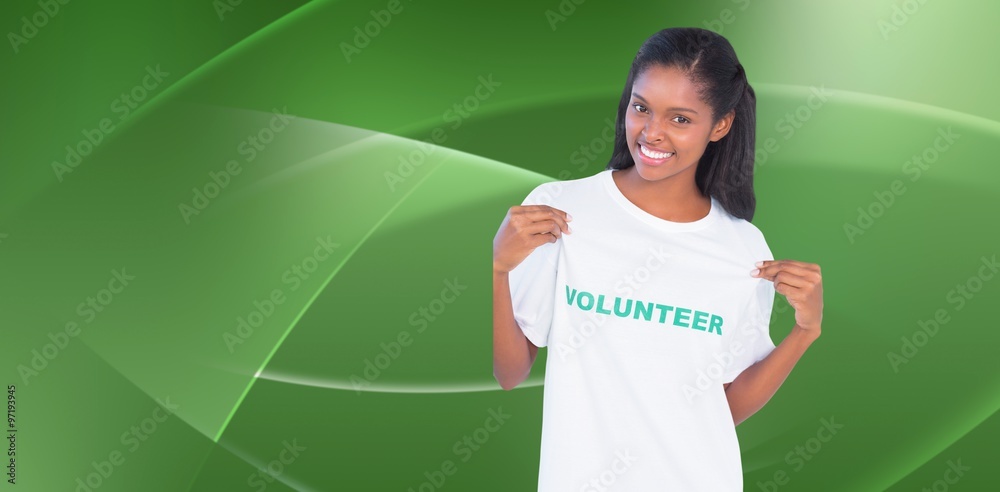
637	96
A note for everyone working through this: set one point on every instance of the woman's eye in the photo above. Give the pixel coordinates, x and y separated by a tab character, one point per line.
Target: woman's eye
642	109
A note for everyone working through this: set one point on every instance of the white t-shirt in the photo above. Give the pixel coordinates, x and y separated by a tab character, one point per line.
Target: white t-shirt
644	320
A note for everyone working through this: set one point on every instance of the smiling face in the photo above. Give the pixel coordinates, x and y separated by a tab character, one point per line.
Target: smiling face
667	126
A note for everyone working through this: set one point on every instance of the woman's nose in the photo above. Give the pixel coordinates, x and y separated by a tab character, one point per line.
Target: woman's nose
655	130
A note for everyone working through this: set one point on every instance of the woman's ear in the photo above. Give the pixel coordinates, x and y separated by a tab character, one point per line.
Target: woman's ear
722	127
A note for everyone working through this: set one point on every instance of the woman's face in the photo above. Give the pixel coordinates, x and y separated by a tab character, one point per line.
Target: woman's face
666	117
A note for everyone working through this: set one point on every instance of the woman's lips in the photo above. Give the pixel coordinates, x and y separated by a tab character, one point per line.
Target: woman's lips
652	161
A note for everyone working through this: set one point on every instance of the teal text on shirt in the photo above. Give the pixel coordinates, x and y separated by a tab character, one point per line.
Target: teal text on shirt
678	316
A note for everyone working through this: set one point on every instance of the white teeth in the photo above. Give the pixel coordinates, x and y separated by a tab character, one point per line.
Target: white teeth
654	155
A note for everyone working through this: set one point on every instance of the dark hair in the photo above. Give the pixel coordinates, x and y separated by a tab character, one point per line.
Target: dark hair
725	170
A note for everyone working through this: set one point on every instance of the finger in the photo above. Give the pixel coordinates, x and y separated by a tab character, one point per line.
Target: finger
543	212
560	211
769	269
547	226
542	238
773	272
789	291
789	278
808	266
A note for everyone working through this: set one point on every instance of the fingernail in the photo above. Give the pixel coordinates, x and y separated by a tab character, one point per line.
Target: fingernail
569	229
754	272
759	263
569	217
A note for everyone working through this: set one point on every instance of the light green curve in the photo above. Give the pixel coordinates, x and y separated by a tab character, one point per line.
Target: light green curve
343	384
318	291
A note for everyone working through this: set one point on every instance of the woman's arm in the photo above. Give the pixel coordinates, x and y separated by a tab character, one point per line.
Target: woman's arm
802	285
513	354
525	228
758	383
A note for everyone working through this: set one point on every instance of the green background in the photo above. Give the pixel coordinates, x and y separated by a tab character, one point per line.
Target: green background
163	337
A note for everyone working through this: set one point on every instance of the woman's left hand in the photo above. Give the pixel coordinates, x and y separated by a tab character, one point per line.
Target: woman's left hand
800	283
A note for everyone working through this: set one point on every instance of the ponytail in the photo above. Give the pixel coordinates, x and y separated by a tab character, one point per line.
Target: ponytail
725	170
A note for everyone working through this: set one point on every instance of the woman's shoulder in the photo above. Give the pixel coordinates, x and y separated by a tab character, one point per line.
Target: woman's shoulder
756	237
746	232
554	191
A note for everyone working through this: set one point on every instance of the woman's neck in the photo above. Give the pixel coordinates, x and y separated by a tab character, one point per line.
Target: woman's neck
676	198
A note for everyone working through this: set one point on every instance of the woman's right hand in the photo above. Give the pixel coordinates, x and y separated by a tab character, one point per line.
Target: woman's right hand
525	228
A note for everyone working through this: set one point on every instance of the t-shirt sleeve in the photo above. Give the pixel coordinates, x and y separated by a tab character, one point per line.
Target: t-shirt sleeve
751	340
532	284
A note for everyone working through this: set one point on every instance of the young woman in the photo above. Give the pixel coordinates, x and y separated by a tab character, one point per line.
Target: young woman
656	303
